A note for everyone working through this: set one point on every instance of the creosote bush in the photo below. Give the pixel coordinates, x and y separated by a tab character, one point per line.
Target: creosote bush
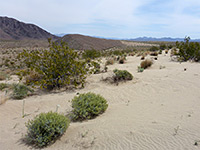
87	106
45	128
20	91
188	50
59	66
122	75
146	63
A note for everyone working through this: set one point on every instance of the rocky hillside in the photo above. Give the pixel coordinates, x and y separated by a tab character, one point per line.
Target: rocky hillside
81	42
12	29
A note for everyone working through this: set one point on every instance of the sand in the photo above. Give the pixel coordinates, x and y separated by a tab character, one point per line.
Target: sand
159	109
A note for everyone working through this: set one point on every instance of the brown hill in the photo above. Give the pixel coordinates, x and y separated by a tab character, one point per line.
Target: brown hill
12	29
81	42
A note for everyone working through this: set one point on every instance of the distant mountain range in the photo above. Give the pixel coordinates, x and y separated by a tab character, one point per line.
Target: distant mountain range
164	39
12	29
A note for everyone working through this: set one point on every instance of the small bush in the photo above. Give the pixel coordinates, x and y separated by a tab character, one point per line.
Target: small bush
45	128
140	69
163	46
146	63
154	48
2	76
154	54
20	91
143	57
110	61
122	60
32	78
88	106
122	75
166	51
3	86
92	54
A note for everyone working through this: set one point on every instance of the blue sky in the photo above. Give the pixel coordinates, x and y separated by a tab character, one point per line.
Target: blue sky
109	18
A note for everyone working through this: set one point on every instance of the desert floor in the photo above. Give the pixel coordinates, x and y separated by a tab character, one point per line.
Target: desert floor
159	109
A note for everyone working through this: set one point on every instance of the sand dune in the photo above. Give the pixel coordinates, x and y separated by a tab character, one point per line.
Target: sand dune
159	109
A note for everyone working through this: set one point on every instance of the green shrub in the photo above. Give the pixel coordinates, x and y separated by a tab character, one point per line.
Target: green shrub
163	46
3	86
88	106
146	63
188	50
140	69
92	54
120	75
20	91
59	66
45	128
154	48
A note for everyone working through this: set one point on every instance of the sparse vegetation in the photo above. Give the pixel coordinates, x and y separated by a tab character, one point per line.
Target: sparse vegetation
3	86
163	46
46	128
87	106
92	54
154	53
146	63
154	48
20	91
110	61
2	76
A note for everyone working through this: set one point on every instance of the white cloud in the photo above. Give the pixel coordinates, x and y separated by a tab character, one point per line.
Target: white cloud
119	18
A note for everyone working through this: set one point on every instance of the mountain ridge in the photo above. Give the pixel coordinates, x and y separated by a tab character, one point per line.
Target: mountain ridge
12	29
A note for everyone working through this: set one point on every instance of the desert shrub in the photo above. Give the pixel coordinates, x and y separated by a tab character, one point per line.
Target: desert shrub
117	52
122	75
122	60
110	61
92	54
163	46
142	58
32	78
2	76
140	69
170	46
166	51
59	66
96	68
88	106
160	51
188	50
3	86
154	53
154	48
46	128
146	63
20	91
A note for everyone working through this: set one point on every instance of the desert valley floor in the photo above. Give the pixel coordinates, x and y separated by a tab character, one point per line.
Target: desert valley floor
158	110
